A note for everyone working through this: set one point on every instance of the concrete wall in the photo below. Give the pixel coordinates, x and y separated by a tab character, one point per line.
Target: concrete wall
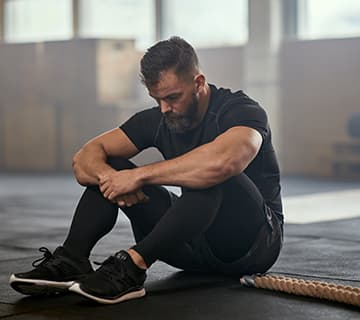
57	95
223	67
318	89
320	82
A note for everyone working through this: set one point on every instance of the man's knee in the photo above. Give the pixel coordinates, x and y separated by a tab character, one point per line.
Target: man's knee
209	197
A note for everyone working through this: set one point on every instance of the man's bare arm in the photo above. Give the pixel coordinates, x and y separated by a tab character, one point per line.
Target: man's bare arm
210	164
89	163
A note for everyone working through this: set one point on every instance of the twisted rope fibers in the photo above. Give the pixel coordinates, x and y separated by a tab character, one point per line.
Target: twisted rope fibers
308	288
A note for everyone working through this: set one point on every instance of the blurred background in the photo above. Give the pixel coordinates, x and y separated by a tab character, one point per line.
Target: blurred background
69	70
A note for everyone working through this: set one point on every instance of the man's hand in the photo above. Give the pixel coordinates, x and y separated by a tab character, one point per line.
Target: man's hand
91	160
122	187
128	200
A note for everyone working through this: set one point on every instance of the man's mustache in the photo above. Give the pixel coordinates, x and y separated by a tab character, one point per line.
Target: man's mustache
173	116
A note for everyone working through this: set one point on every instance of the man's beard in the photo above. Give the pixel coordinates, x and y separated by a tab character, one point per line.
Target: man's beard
185	122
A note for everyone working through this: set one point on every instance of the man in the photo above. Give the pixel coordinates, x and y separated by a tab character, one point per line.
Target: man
217	148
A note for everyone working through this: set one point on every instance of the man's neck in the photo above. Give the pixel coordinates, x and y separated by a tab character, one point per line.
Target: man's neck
204	101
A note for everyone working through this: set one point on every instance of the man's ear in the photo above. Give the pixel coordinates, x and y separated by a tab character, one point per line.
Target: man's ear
199	81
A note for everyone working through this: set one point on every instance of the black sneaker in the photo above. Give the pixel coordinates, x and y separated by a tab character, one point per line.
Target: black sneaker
118	279
53	273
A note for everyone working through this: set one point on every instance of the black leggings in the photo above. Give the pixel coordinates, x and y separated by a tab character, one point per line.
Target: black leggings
229	215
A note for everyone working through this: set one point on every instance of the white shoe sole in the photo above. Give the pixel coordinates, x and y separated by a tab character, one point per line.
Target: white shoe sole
38	287
131	295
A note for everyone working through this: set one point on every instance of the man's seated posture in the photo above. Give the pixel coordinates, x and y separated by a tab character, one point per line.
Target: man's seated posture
217	147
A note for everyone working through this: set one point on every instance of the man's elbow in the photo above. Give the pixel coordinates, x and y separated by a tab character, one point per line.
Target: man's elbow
81	178
233	166
78	172
226	170
222	169
76	162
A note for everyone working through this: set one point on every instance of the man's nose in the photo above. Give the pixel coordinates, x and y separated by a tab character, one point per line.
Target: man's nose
165	107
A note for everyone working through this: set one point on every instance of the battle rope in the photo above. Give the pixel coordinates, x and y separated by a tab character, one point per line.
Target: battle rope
315	289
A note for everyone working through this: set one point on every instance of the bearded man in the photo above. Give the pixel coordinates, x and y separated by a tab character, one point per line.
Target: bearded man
216	146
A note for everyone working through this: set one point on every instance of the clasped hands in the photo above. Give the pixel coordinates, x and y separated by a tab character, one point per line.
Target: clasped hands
122	187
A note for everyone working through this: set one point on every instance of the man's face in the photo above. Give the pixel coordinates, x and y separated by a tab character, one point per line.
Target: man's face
177	100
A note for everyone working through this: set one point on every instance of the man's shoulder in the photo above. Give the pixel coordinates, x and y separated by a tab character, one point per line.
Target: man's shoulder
150	111
147	118
224	98
151	114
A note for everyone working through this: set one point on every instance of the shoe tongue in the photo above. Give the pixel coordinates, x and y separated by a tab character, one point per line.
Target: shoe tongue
125	257
122	255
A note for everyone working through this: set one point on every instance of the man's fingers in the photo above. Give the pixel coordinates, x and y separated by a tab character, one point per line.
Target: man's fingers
107	194
103	183
107	190
104	186
131	199
120	202
141	196
112	195
127	200
102	189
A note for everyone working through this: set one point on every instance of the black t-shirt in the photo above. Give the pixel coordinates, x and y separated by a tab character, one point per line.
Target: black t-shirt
226	109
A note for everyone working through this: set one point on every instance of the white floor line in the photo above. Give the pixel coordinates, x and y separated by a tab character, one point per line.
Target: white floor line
322	206
317	207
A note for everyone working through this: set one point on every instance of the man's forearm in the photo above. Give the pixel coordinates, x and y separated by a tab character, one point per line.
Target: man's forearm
200	168
89	164
208	165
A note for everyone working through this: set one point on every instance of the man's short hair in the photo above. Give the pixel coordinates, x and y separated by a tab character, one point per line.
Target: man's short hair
172	54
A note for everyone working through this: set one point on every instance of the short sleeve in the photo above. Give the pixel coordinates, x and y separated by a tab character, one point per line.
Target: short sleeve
248	115
141	128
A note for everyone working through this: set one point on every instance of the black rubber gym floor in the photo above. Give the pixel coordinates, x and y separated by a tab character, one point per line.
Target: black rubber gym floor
36	211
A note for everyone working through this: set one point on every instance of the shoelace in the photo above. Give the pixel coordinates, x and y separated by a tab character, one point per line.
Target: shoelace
46	257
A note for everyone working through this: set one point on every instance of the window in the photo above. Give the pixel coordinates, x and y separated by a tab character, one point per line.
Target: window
329	19
37	20
207	23
119	19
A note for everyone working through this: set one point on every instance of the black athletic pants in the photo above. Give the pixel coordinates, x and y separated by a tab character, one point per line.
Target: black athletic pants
227	219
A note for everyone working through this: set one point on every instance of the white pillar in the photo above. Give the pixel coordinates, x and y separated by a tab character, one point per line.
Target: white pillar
75	18
261	60
158	19
2	20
